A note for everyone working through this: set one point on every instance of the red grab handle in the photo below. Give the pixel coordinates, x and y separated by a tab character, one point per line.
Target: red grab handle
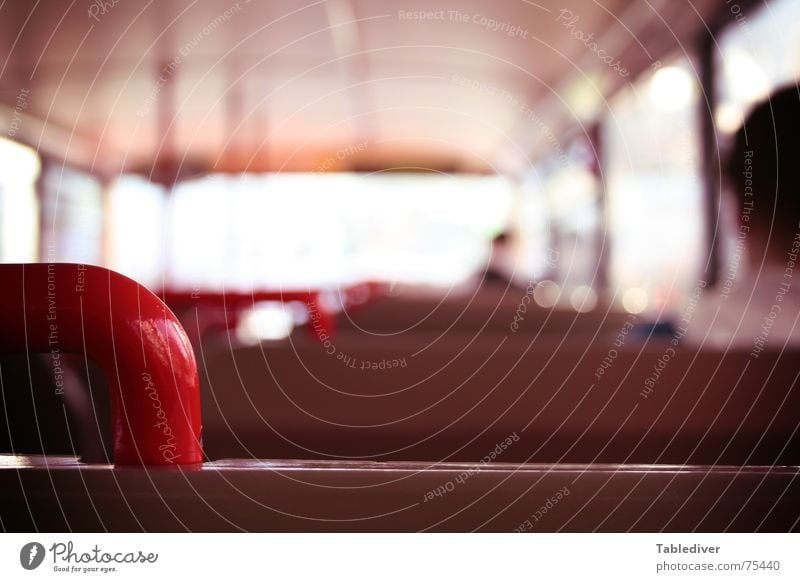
143	350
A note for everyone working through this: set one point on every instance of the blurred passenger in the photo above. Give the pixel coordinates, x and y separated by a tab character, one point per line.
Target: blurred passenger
757	302
499	271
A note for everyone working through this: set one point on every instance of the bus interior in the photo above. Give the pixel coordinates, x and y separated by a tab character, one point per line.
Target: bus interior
372	266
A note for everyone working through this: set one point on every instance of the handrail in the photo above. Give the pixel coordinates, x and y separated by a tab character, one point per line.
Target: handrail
322	323
147	358
321	319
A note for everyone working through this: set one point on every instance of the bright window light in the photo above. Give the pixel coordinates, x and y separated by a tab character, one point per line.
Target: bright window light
19	209
547	294
747	80
136	232
654	189
300	230
635	300
72	216
266	321
756	58
583	299
729	117
672	88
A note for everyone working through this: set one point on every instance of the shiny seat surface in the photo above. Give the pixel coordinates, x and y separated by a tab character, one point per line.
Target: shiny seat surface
60	494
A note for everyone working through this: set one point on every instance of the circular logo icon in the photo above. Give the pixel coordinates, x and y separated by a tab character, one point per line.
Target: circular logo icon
31	555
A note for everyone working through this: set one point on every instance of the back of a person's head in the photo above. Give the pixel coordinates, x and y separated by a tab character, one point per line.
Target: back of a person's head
502	239
767	152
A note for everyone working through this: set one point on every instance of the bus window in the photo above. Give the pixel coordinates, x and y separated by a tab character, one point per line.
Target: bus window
756	56
572	194
135	238
558	221
538	255
655	196
72	216
19	209
295	230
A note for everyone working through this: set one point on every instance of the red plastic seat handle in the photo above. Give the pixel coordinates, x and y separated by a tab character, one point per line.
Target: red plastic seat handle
143	350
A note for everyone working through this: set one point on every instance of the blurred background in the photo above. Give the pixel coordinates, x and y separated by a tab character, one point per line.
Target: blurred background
269	145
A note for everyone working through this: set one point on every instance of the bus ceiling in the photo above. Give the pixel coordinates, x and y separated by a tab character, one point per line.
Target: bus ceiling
181	89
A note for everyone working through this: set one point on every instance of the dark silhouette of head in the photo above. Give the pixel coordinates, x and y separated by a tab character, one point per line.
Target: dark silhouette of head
764	167
501	240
